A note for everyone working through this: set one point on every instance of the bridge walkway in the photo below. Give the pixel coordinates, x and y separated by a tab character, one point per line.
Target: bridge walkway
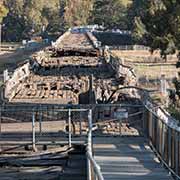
127	158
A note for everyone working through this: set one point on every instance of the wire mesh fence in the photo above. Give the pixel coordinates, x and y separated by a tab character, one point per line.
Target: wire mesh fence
55	124
118	119
42	125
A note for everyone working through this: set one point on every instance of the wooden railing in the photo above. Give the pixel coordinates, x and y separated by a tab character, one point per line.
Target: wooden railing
163	135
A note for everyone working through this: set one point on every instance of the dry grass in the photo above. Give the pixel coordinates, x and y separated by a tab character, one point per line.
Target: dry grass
142	56
139	61
155	72
11	60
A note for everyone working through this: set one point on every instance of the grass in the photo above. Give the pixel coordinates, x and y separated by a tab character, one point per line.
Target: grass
10	60
139	60
174	111
155	71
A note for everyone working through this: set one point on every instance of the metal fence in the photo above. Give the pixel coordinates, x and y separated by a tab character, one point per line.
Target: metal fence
48	125
118	119
56	125
38	124
129	47
110	120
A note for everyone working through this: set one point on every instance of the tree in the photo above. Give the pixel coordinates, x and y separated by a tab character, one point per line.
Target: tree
3	12
77	12
111	14
35	17
157	24
14	22
28	17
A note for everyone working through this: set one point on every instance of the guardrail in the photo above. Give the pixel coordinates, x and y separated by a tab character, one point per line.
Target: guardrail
164	139
36	125
93	169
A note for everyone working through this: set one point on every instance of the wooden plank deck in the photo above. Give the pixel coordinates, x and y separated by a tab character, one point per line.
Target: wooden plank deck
127	158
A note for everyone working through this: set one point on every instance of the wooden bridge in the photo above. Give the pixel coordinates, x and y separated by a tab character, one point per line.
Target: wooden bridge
128	158
153	154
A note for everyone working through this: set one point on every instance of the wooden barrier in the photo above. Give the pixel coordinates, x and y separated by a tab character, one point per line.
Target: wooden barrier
164	141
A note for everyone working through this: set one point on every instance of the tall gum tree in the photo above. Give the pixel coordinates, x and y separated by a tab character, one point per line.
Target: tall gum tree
3	13
158	25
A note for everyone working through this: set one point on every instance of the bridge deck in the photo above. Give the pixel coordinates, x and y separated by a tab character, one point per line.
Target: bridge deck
127	158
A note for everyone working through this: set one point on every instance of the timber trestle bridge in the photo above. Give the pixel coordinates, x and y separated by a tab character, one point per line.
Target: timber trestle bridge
111	141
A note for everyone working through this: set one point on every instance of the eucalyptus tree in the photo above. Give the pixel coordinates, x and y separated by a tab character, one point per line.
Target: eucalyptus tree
110	14
158	25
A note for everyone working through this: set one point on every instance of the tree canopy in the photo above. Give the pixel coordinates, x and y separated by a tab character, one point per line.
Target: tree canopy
111	14
157	23
27	17
3	12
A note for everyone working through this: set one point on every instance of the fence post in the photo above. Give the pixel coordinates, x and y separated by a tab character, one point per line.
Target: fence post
69	125
120	132
157	134
163	140
33	133
90	123
89	144
0	125
169	147
176	153
0	120
40	122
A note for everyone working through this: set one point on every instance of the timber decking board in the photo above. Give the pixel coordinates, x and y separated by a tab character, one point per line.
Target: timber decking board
127	158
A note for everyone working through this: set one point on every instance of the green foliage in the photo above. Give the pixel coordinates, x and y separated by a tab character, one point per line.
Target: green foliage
174	111
157	24
77	12
3	12
36	17
28	17
111	14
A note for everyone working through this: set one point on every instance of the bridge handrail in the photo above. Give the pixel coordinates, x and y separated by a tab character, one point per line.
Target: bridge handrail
93	169
163	133
169	121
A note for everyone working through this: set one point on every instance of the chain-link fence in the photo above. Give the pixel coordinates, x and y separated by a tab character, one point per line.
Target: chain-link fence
56	125
118	119
41	125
